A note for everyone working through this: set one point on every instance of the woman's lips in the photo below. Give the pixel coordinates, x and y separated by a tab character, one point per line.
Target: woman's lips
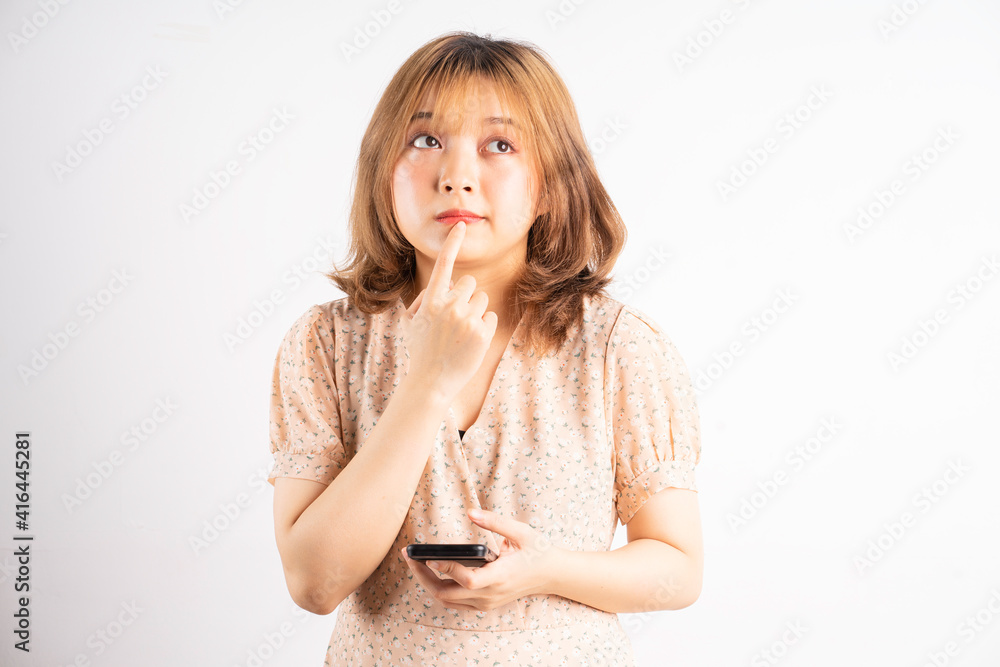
453	219
453	215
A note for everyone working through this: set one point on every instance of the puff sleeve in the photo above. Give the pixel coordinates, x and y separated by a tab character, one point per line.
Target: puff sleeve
652	413
305	426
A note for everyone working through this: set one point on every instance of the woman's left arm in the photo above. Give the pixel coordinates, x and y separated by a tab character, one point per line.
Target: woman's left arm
660	567
653	416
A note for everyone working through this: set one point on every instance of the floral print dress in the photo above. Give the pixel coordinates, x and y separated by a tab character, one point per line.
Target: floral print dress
570	443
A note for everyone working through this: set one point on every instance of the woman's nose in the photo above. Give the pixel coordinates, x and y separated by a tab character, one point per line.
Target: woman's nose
458	171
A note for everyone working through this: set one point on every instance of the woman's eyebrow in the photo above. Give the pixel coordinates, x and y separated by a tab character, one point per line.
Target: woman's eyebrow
490	120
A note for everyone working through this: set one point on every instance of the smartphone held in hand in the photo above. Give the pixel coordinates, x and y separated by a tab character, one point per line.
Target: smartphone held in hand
470	555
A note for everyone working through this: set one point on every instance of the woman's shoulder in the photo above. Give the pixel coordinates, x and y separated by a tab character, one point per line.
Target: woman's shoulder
601	308
320	316
612	315
338	317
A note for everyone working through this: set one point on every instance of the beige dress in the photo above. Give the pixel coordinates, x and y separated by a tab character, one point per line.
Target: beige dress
569	443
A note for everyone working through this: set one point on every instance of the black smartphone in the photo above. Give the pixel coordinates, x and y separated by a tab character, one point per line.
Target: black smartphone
470	555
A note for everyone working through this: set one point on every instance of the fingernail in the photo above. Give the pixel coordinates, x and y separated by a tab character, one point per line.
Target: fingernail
475	514
432	564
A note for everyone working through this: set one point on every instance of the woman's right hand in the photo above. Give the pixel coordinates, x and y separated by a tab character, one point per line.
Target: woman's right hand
445	331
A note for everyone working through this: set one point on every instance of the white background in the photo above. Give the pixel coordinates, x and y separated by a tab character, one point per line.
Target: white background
683	128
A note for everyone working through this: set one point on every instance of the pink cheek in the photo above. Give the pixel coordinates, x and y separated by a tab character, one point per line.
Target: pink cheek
400	177
410	179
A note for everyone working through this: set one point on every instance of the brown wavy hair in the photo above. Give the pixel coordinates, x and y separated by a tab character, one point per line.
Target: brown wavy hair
577	233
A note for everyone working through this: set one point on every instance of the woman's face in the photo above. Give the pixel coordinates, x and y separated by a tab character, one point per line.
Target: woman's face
482	169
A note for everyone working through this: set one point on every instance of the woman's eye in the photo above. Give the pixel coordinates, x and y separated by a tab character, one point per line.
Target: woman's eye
507	146
417	138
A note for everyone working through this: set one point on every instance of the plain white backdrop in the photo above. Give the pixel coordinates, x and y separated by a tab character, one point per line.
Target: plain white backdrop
810	194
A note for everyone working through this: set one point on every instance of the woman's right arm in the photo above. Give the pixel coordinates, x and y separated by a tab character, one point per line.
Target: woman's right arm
332	538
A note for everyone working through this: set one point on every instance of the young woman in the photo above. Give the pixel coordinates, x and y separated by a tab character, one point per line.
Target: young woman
477	364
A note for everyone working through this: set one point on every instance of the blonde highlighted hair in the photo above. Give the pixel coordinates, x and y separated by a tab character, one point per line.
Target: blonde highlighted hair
577	234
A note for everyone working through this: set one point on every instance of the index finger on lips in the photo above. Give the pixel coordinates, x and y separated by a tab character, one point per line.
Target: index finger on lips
441	274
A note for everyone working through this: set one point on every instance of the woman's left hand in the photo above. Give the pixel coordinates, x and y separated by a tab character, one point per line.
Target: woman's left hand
523	567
